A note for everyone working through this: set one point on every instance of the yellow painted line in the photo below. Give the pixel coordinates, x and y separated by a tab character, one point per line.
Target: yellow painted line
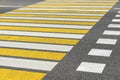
8	74
48	22
32	54
63	11
39	40
56	30
51	16
76	4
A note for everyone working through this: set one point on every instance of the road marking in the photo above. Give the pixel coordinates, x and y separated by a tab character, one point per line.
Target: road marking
8	74
116	20
46	55
117	16
9	6
110	32
60	19
68	14
58	9
106	41
39	40
91	67
35	46
42	34
27	64
45	25
114	25
100	52
48	22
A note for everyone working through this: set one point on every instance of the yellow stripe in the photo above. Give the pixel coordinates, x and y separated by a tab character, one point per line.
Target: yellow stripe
48	22
7	74
64	11
32	54
39	40
56	30
78	4
52	16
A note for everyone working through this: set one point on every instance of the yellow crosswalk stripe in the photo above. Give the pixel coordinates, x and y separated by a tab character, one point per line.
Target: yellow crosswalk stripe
7	74
32	54
55	30
52	16
48	22
39	40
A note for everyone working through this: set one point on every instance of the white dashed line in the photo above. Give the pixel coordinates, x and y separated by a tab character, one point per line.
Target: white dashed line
110	32
91	67
114	26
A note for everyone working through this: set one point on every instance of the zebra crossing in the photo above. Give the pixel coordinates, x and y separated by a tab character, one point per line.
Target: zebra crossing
35	38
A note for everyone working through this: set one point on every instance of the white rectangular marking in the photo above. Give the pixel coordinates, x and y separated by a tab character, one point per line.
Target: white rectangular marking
27	64
43	34
70	14
117	16
91	67
114	26
35	46
116	20
100	52
45	25
60	19
110	32
106	41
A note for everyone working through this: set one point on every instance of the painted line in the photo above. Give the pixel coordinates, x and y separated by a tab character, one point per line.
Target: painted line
59	9
9	6
116	20
117	15
35	46
27	64
114	25
91	67
45	25
60	19
116	8
42	34
76	3
106	41
68	14
118	11
38	6
100	52
39	40
46	55
110	32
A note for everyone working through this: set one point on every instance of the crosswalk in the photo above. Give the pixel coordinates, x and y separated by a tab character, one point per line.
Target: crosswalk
35	38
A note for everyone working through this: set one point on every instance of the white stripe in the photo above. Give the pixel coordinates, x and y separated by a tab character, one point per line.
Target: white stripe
9	6
100	52
60	9
91	67
106	41
110	32
42	34
114	26
27	64
116	20
72	6
61	19
70	14
118	11
117	16
45	25
35	46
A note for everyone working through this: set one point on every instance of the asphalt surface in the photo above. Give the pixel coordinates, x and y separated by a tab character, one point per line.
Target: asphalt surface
66	68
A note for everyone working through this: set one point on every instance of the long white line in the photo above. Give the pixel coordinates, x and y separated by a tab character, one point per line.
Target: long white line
45	25
27	64
35	46
60	9
9	6
117	16
60	19
116	20
68	14
114	25
42	34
